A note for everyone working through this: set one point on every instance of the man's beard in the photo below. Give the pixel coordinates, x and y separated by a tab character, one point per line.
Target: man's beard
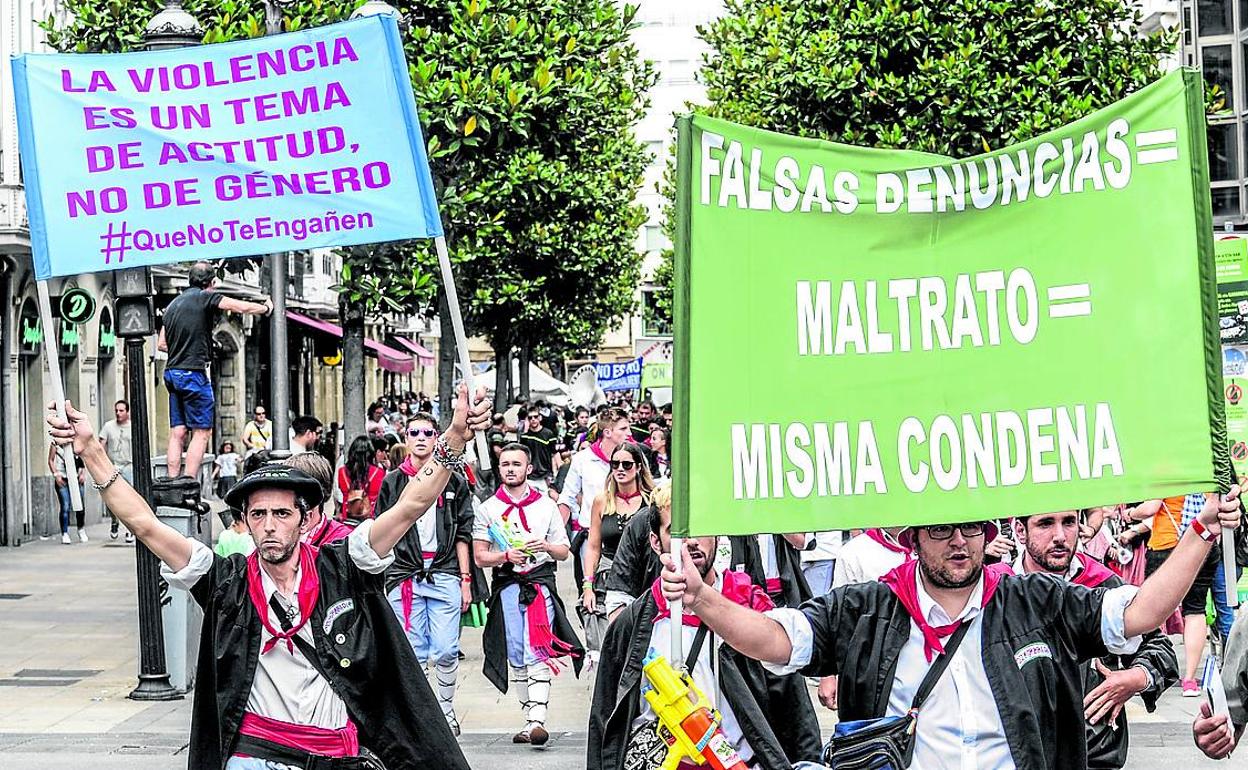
282	557
1051	563
941	577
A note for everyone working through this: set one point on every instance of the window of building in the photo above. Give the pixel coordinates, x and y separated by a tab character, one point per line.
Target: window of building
679	72
651	325
1214	17
1216	66
654	238
1223	152
655	148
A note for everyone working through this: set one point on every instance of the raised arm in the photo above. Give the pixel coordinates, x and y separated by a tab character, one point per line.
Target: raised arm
750	633
423	489
1163	591
233	305
171	547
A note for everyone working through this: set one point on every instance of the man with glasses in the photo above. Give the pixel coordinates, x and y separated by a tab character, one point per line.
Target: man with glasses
258	433
1014	681
430	583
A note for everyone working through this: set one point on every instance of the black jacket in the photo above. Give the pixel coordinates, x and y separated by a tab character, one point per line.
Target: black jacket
860	629
636	565
1107	746
774	712
454	512
494	638
360	650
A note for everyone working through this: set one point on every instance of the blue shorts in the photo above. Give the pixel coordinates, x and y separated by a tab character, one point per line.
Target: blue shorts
190	399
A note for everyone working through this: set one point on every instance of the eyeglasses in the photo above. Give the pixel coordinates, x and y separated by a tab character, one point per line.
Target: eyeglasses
422	432
259	414
627	465
945	531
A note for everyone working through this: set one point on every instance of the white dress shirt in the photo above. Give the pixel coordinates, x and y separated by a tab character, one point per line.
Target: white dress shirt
544	521
587	477
959	726
862	560
287	687
827	546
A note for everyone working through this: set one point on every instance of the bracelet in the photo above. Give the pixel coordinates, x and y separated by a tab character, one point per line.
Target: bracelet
465	578
446	457
111	480
1203	531
588	579
587	585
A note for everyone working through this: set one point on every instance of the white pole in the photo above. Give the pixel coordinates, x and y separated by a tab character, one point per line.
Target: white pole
58	389
1228	565
461	339
676	621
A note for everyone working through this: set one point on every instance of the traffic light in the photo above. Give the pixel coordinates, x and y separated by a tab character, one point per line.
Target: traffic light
135	317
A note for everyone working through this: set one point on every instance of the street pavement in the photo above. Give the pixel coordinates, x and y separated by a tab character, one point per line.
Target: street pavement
68	631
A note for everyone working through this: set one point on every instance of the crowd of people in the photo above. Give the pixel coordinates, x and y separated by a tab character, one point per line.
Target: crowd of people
335	597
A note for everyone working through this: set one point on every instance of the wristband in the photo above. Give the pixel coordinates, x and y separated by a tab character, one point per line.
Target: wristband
465	578
1203	531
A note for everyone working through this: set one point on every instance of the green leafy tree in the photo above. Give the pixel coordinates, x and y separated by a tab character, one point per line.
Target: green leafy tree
955	77
527	108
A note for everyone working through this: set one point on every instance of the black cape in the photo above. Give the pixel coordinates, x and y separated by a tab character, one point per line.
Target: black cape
1107	746
494	639
360	649
454	525
1039	632
636	565
774	712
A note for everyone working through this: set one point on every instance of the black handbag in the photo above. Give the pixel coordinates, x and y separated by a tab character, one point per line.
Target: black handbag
887	743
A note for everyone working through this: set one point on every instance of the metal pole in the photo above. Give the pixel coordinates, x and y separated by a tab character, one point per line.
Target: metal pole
677	608
153	674
52	353
279	350
461	339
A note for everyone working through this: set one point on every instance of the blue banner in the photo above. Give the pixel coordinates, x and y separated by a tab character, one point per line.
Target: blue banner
295	141
625	375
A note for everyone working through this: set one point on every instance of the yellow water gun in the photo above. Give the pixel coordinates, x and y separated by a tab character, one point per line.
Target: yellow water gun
688	724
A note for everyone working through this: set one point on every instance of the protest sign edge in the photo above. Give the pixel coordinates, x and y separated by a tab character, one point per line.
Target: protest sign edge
53	358
30	170
415	136
1207	271
680	328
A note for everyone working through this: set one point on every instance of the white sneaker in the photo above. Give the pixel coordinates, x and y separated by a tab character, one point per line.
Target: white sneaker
82	536
129	538
65	538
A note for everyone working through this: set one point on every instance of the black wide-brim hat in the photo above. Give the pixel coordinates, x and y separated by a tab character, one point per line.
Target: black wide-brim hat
275	476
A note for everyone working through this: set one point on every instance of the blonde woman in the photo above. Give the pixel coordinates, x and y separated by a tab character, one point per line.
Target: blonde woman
627	491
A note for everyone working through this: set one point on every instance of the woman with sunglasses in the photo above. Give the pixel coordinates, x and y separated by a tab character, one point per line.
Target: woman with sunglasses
627	491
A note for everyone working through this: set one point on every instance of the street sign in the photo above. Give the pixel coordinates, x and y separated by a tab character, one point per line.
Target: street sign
134	317
77	306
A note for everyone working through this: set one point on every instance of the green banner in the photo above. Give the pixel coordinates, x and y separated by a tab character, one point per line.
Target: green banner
937	340
656	375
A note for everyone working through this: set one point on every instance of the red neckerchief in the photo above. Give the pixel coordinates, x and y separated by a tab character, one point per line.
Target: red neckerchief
596	448
903	581
408	467
626	498
1093	573
518	505
330	531
738	588
879	536
309	591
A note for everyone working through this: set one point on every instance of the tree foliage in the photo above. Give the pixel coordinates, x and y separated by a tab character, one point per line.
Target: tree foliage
527	107
955	77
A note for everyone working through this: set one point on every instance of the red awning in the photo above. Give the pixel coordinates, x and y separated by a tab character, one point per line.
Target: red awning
422	353
390	359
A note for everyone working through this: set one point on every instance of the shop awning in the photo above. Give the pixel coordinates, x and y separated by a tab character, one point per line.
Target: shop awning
422	353
390	359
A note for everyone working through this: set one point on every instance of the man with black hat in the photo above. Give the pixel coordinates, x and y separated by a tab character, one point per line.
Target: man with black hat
1017	644
301	661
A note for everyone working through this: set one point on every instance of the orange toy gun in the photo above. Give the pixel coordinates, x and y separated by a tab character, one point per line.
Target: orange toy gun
689	726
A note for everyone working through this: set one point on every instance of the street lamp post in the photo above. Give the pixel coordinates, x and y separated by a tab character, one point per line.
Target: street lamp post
173	27
279	347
